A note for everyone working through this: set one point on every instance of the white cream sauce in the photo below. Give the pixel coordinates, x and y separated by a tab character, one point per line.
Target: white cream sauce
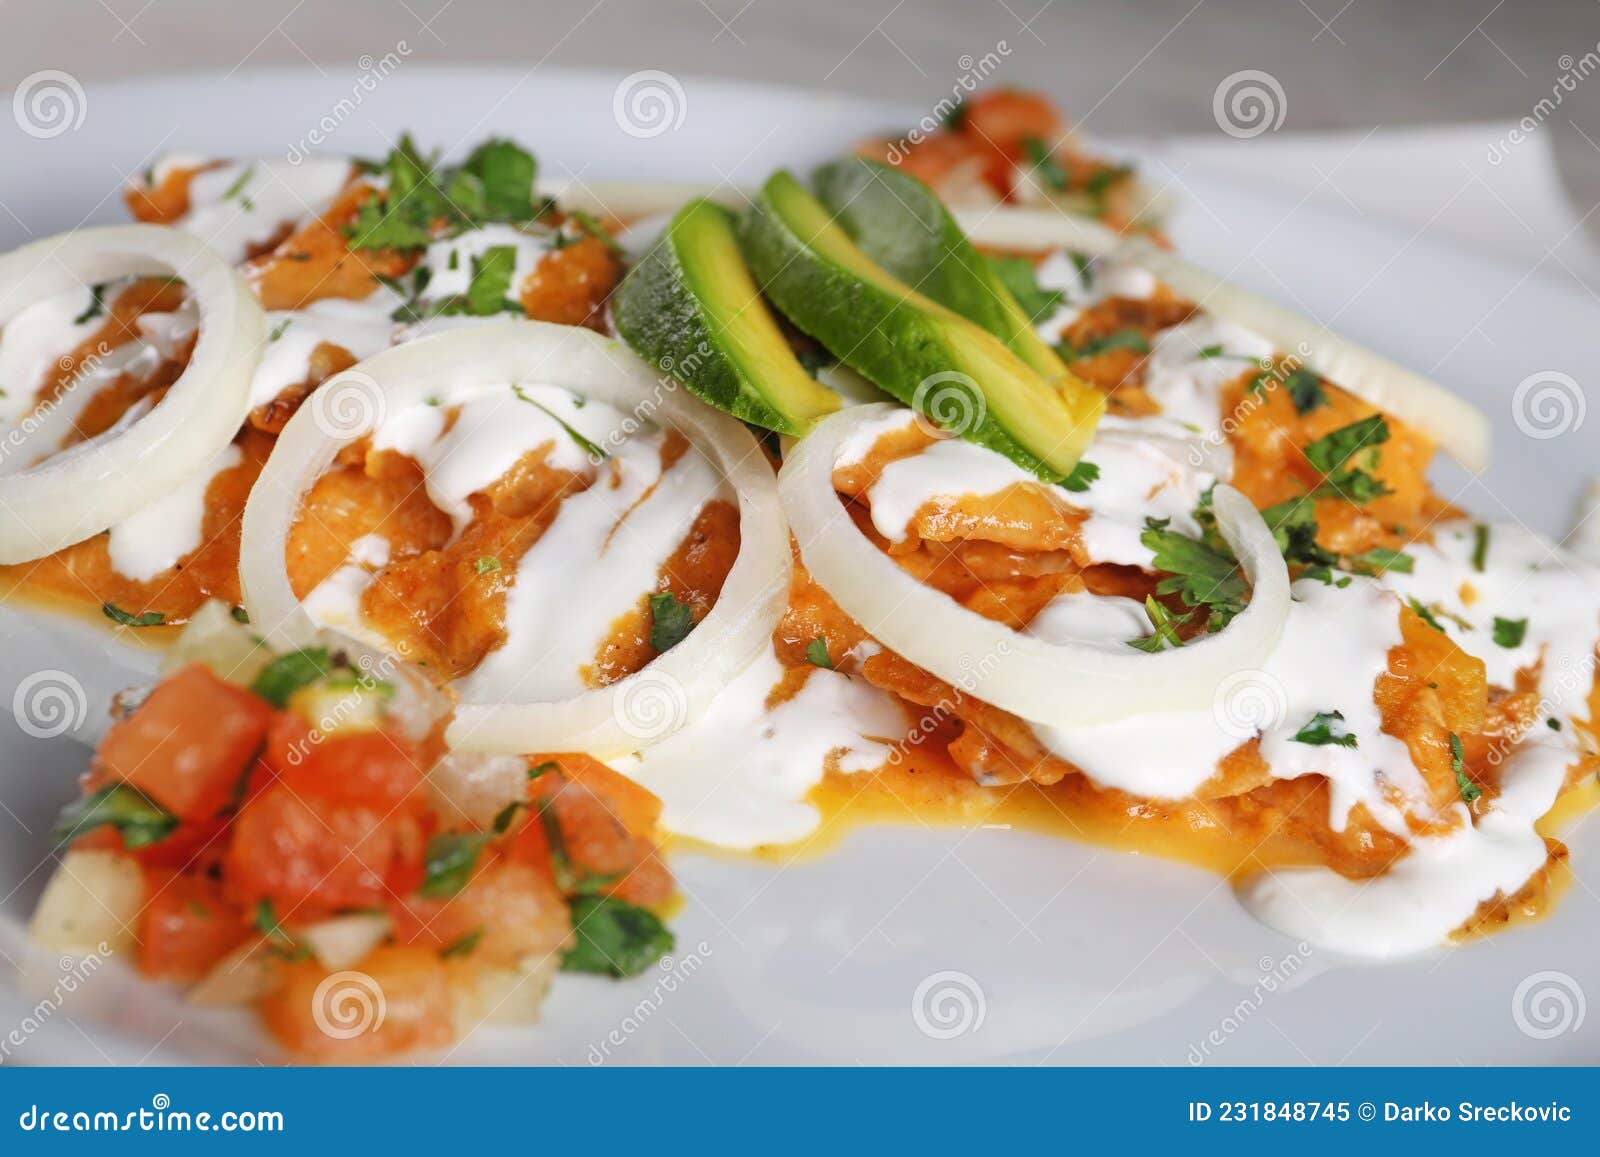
449	261
1081	287
363	327
738	776
159	535
33	343
241	205
335	602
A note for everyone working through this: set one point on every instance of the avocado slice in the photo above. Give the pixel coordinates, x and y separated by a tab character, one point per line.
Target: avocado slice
959	374
901	224
692	309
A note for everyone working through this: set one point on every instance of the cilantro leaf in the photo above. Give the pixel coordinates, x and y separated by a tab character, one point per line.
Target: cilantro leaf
140	819
1480	546
1305	391
506	171
596	453
487	564
1425	613
462	945
1019	277
1294	528
286	674
1083	474
1122	339
117	615
1458	764
448	863
1045	165
1325	729
670	621
1509	633
488	291
97	304
1332	454
1380	559
817	653
278	939
1198	573
1166	629
615	938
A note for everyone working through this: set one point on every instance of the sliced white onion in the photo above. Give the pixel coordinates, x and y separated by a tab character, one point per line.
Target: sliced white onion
1460	429
344	941
603	721
81	491
1056	683
627	200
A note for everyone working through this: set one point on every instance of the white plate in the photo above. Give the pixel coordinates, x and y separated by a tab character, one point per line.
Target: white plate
904	945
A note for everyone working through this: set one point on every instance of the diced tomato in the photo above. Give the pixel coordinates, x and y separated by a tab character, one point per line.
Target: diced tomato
311	859
509	909
599	844
636	807
399	1000
188	744
1004	118
186	926
371	769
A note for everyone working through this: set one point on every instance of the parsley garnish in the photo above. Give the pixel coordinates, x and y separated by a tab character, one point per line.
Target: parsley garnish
448	863
1122	339
1509	633
817	653
1294	527
1458	764
1201	575
591	227
670	621
1166	629
1043	160
486	564
462	945
117	615
1320	732
486	294
278	330
286	674
1020	278
595	453
541	769
278	938
1332	453
240	615
572	880
1480	546
1380	559
1305	391
238	185
96	306
505	172
1425	613
1082	475
140	819
615	938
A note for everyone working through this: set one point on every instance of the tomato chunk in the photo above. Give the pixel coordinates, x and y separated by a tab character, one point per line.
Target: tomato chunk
371	769
188	744
398	1000
313	860
186	927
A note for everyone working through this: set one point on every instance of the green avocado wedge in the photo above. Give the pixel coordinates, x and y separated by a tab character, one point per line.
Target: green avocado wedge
901	224
960	375
691	308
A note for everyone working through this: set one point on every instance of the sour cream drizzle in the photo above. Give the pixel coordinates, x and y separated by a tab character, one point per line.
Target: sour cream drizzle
237	207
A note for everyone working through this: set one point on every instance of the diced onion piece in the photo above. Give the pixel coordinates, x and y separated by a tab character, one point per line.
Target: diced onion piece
344	941
90	905
1460	429
87	488
1055	683
214	637
244	976
499	995
687	677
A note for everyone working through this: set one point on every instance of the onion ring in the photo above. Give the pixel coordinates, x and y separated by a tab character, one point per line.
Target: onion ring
89	487
1056	683
1459	428
723	643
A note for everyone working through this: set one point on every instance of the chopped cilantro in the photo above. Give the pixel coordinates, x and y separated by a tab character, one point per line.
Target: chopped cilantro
1166	629
117	615
235	189
1332	454
1326	729
1305	391
240	615
955	116
487	292
1509	633
670	621
1201	575
540	769
1480	546
1043	159
96	306
1211	351
278	939
486	564
591	227
595	453
462	945
1553	723
1082	475
278	330
1380	559
1122	339
1425	613
448	863
572	880
1294	527
817	653
289	672
1020	278
503	818
1458	764
140	819
506	172
615	938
